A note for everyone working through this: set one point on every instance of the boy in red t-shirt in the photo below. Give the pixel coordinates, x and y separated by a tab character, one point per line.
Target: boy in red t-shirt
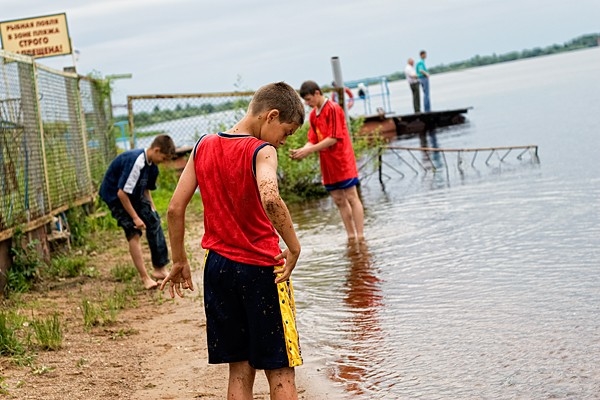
328	135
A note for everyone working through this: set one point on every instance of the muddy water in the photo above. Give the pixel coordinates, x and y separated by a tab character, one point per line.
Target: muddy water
478	282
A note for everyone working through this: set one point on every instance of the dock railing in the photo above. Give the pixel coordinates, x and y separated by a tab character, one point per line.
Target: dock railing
434	160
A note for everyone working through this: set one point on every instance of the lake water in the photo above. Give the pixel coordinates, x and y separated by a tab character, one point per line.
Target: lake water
483	284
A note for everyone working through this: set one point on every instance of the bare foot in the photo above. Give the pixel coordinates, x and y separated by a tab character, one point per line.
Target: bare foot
149	284
352	240
160	273
356	238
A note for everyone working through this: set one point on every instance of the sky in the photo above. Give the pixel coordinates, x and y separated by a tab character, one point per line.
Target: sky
200	46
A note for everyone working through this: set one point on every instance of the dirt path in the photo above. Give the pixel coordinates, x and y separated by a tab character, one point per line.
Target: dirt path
154	349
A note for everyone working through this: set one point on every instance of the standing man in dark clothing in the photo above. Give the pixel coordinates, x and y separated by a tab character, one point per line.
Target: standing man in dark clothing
411	77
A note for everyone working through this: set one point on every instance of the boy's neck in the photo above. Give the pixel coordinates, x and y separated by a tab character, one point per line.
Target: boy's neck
148	152
243	127
320	101
248	125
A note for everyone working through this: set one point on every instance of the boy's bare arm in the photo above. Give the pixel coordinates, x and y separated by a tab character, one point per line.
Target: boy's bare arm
180	275
126	202
309	148
277	211
176	211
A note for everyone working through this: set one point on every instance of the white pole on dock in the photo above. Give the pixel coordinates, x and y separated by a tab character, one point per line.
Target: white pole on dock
339	83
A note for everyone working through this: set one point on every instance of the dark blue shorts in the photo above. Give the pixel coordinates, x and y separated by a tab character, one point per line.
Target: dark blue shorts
249	317
348	183
154	232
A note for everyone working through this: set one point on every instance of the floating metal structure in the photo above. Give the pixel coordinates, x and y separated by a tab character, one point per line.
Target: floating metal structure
434	159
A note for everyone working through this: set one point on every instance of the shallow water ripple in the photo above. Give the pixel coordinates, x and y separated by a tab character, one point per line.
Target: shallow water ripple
475	285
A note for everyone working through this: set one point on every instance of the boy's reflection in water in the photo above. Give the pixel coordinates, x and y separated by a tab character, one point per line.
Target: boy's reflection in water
432	159
364	332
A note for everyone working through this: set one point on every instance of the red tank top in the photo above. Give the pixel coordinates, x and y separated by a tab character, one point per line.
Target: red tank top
235	223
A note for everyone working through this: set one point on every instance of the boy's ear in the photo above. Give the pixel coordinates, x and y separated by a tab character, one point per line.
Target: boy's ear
272	115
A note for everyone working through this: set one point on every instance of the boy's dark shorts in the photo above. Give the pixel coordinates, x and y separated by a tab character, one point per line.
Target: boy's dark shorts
348	183
248	316
124	220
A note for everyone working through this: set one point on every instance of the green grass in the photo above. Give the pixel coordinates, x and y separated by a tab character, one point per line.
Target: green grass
48	332
20	337
10	342
166	184
119	300
93	314
3	387
81	362
63	266
123	273
105	311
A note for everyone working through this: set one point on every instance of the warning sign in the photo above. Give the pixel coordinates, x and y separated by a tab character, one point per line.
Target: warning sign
37	37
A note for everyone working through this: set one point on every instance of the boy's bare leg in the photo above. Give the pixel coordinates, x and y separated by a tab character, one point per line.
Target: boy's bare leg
358	212
282	383
241	381
135	249
343	205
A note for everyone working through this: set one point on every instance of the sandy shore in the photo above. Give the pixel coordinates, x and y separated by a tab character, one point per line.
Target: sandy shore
155	348
175	363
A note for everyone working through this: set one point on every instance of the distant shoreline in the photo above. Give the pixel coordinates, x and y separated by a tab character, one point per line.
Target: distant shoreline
579	43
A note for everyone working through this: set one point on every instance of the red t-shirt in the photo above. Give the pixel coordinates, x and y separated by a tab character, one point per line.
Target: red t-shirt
235	223
337	162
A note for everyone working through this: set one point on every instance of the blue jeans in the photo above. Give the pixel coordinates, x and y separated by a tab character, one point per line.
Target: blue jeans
425	85
154	232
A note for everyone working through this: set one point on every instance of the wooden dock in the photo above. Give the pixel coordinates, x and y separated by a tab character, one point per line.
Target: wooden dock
394	126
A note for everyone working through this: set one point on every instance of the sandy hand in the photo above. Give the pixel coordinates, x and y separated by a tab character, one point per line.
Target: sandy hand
179	279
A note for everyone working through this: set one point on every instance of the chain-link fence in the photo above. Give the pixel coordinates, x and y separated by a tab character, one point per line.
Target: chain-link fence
184	117
55	142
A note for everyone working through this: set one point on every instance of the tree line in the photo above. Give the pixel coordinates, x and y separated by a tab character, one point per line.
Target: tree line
157	115
582	42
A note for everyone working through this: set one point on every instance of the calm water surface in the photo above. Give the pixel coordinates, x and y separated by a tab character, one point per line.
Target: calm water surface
480	284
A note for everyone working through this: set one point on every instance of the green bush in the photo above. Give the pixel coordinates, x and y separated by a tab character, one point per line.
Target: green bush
298	180
83	224
301	180
166	184
68	267
26	263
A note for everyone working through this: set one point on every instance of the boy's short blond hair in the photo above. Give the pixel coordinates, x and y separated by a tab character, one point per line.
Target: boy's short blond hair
279	96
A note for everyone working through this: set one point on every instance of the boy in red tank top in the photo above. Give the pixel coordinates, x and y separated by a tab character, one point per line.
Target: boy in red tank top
248	294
